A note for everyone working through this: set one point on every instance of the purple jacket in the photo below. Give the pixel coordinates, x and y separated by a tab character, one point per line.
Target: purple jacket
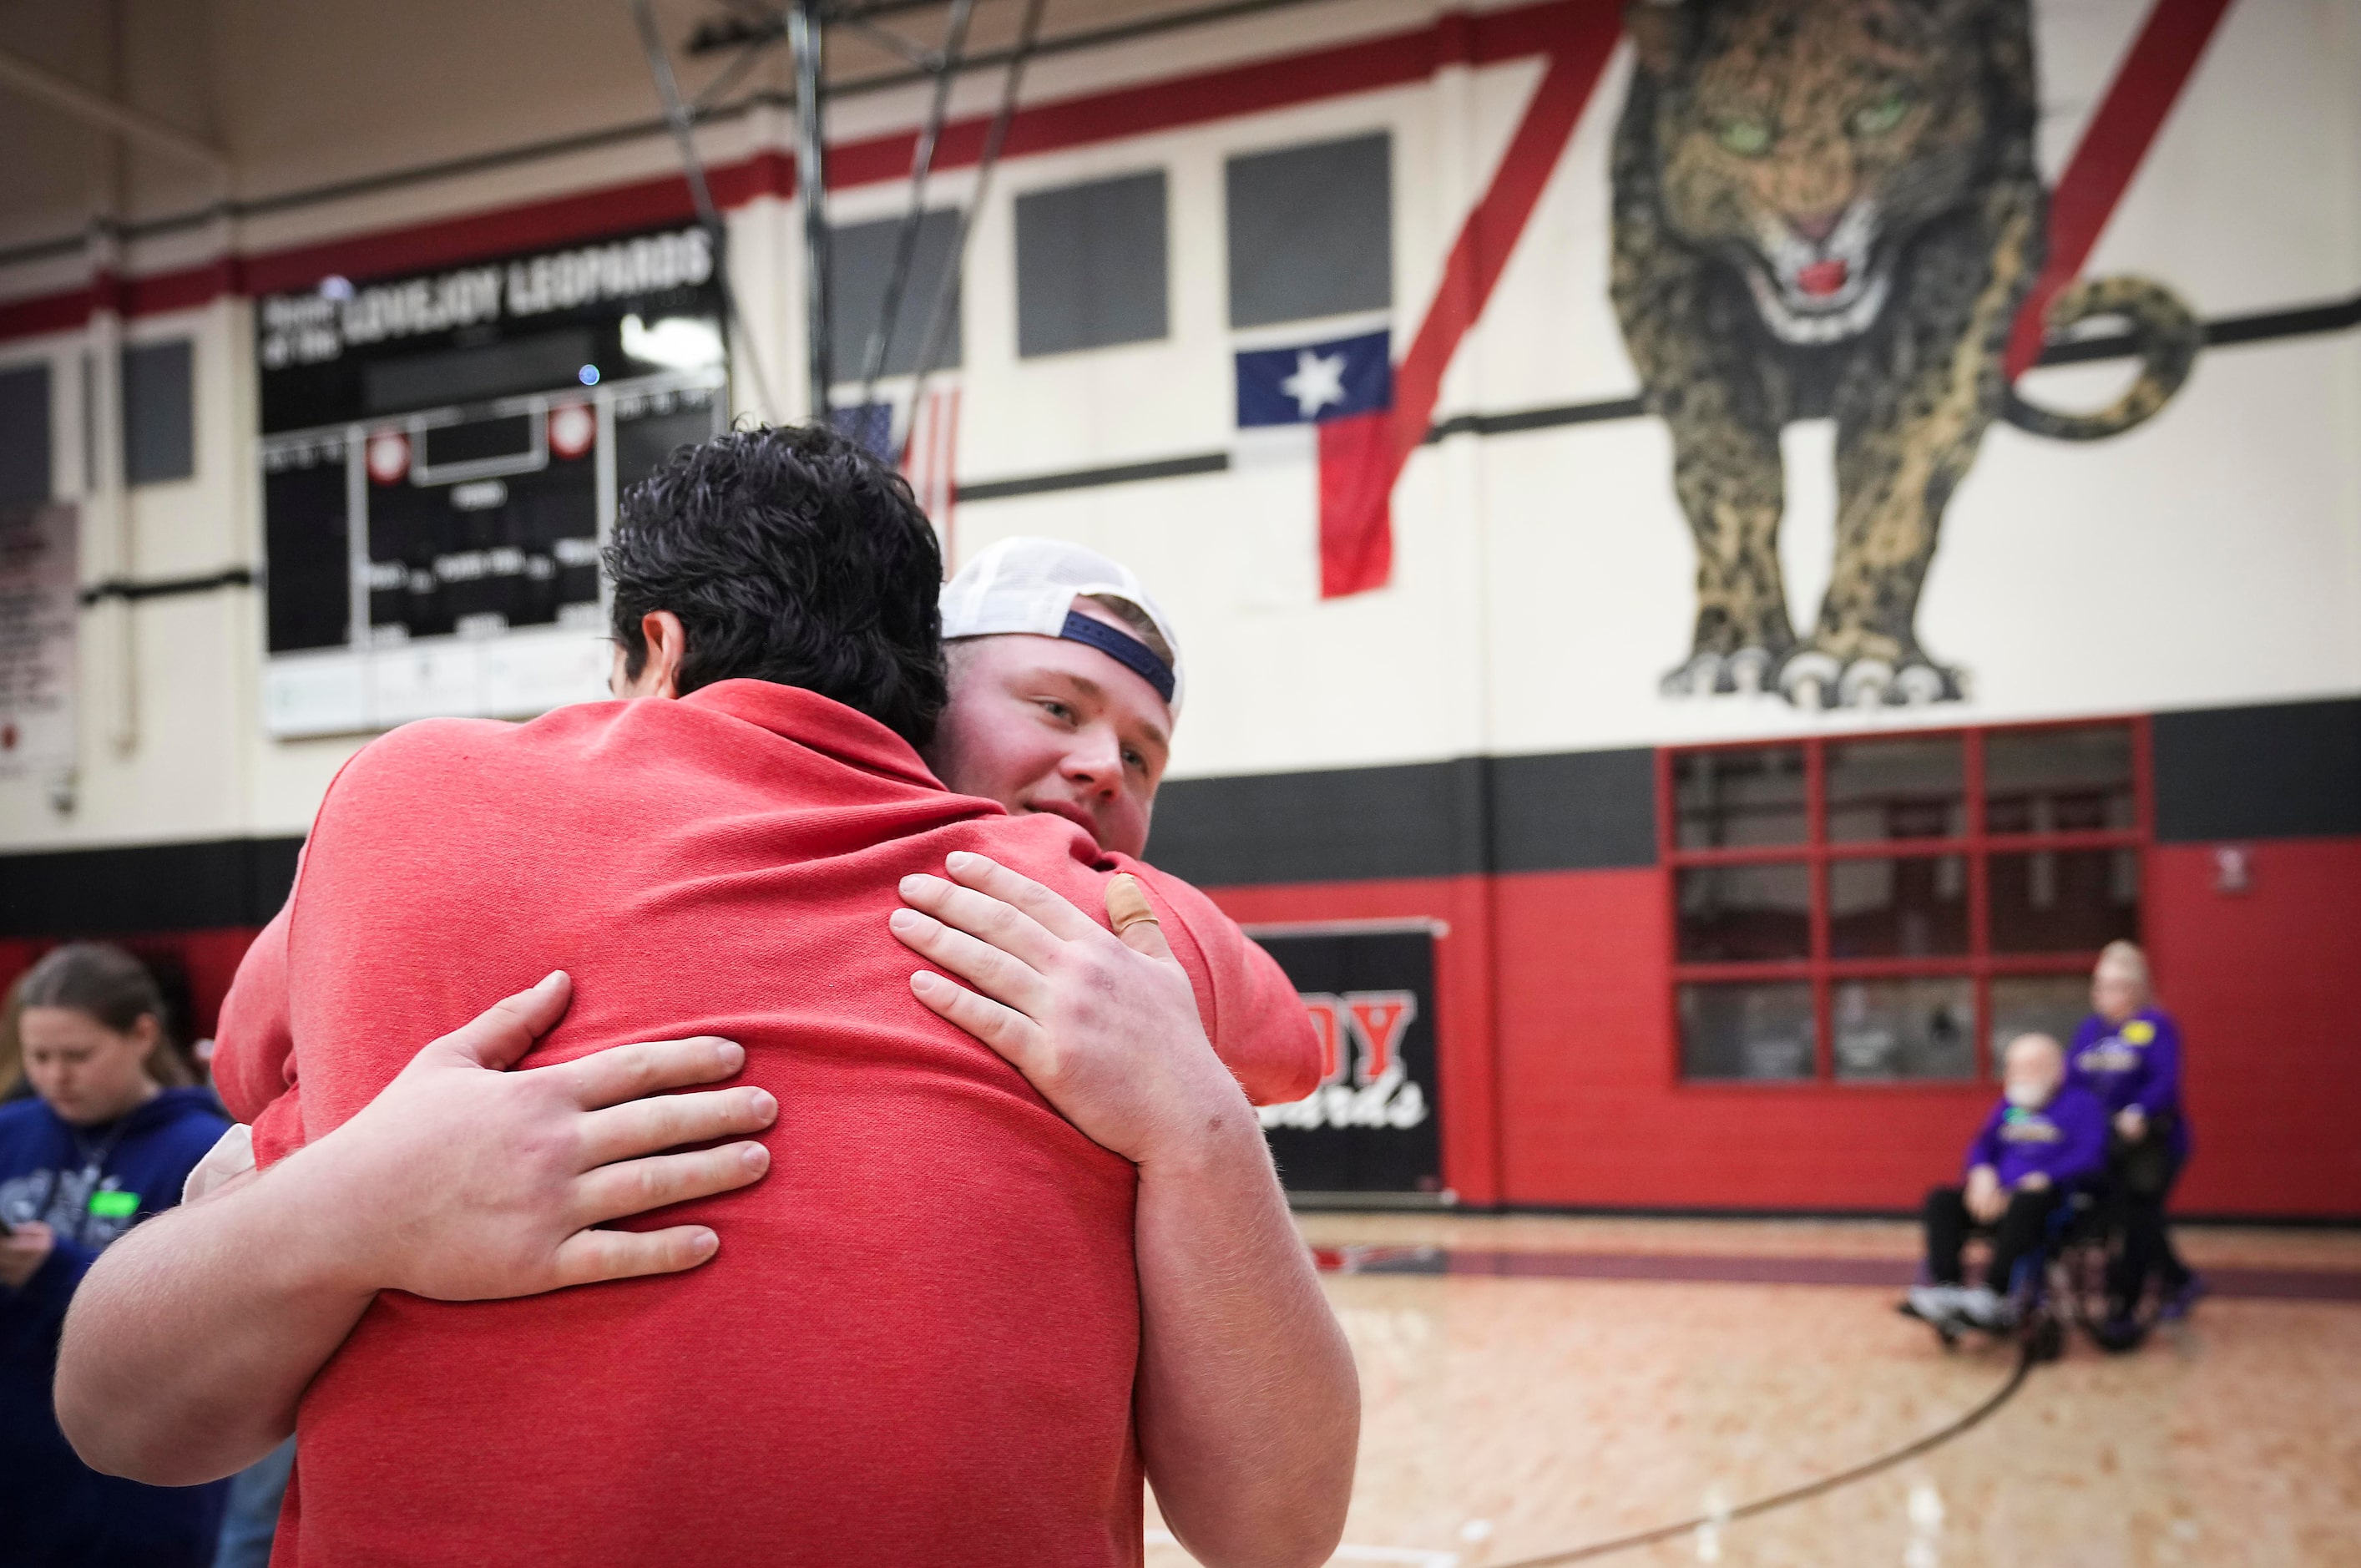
2066	1140
2138	1064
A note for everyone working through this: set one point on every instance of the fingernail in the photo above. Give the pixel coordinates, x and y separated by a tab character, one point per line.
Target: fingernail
917	881
904	920
922	979
755	1158
552	978
958	860
732	1054
704	1242
763	1105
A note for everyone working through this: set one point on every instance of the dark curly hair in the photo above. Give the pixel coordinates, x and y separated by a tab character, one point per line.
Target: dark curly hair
790	554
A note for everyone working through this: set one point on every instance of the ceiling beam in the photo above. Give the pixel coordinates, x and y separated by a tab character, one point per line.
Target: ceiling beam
37	82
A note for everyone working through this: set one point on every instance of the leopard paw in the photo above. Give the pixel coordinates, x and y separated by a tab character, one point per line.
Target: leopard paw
1817	679
1921	684
1708	674
1701	676
1810	678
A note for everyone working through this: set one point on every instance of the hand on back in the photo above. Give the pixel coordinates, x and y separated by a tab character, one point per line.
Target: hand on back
464	1182
1106	1027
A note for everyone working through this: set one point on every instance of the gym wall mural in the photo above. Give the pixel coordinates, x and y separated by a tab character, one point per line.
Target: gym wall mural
1831	209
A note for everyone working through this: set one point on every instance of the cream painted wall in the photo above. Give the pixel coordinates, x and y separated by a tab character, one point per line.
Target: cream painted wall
1541	580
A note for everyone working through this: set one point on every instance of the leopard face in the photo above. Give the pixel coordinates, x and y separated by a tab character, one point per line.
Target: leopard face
1805	141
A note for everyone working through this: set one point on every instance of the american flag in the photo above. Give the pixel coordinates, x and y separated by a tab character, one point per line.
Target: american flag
930	458
929	454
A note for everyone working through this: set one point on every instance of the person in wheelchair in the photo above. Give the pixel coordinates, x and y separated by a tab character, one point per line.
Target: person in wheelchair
2046	1140
2127	1054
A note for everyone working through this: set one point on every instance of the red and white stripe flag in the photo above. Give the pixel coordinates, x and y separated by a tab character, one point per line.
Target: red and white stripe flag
930	458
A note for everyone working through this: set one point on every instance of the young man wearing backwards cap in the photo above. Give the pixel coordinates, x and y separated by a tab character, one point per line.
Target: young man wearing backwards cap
938	1337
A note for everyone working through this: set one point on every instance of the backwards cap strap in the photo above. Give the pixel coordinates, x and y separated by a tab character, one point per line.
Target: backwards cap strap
1126	650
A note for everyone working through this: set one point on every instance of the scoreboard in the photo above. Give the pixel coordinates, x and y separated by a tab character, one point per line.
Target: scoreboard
440	458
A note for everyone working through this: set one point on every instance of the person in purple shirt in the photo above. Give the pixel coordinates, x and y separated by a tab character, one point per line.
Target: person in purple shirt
2046	1138
2127	1054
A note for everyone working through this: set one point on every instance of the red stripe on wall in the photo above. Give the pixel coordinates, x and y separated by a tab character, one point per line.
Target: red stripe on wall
44	313
1357	540
1365	66
2148	83
643	204
1362	66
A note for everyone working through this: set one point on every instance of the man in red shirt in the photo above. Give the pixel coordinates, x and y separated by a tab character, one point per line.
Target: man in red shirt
922	1341
1064	683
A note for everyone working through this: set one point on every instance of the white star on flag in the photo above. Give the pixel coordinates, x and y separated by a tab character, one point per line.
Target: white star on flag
1318	381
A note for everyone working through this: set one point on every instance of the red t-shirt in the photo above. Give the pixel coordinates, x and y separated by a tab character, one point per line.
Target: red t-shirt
917	1342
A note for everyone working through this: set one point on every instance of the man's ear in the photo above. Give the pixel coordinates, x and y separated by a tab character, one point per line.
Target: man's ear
667	645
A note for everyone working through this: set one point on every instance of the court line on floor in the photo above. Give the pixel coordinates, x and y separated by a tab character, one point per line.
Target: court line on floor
2227	1283
1804	1492
1413	1556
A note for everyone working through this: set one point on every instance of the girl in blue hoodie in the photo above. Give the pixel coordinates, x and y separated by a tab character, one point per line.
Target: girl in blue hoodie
103	1146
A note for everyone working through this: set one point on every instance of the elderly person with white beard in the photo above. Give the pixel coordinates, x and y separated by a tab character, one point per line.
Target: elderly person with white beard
2045	1139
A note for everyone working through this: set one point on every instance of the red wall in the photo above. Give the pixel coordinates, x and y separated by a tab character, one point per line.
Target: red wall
1560	1074
210	958
2266	985
1560	1084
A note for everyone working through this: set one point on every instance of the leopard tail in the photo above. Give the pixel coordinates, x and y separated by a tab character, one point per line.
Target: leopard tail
2167	334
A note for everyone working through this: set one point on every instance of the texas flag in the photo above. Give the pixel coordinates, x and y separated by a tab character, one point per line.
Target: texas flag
1338	398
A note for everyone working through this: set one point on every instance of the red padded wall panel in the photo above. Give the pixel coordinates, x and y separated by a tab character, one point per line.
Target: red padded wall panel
2267	984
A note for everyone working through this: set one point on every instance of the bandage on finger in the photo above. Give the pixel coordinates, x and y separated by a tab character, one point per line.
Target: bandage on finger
1127	903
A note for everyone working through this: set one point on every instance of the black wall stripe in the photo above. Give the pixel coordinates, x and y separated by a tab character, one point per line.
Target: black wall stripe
168	587
1575	811
1423	819
1095	479
146	887
2289	771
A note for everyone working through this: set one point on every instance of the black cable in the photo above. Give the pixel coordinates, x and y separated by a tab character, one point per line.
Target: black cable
1933	1439
676	117
718	90
945	288
905	239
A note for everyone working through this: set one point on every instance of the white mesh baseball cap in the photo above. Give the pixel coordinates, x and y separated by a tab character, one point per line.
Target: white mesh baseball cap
1030	585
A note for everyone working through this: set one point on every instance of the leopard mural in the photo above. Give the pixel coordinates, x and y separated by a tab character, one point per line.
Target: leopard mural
1831	209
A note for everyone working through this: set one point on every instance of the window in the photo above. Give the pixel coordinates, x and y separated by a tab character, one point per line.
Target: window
159	418
1895	907
1090	265
24	434
859	258
1311	231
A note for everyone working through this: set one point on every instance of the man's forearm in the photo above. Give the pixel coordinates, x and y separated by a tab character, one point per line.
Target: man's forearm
193	1338
1248	1403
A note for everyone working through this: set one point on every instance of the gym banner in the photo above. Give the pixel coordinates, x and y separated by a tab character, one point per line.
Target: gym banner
1373	1128
39	578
